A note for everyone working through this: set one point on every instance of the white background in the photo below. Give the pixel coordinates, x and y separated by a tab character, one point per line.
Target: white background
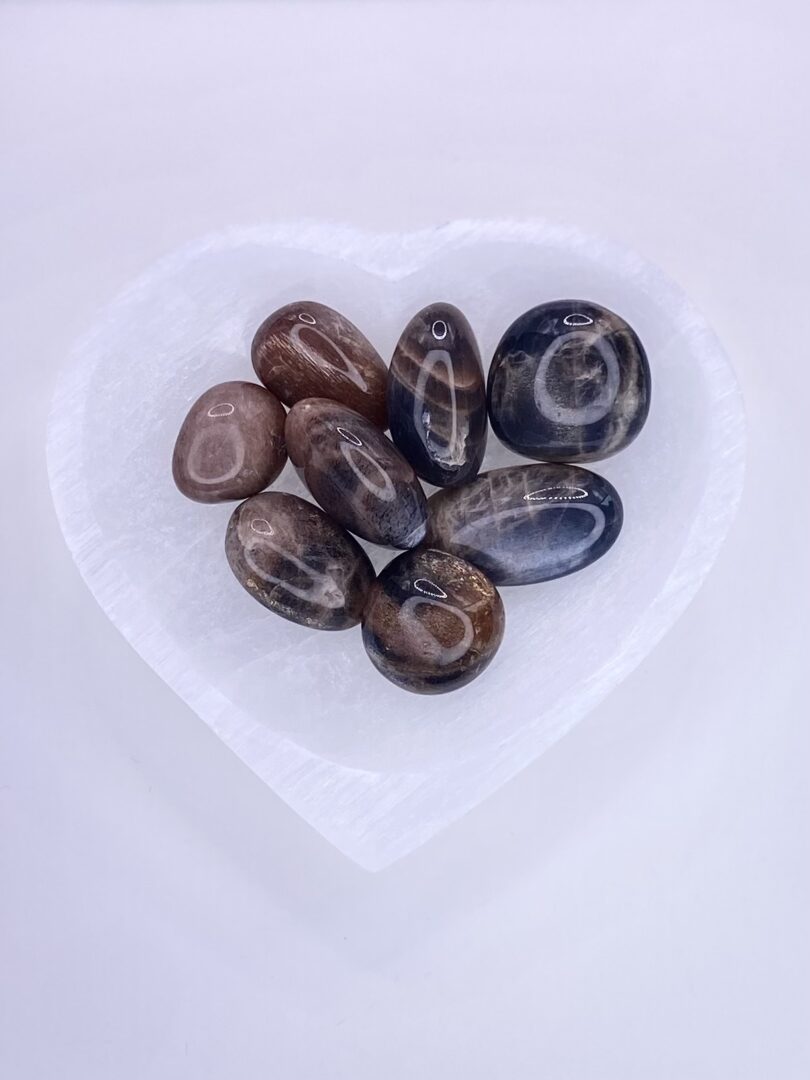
634	905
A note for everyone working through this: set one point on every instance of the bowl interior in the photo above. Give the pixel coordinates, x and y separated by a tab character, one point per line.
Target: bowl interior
156	560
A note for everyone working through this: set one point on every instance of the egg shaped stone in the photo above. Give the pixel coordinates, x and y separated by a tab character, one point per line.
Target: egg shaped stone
291	557
569	381
527	523
437	398
356	474
231	443
432	622
308	350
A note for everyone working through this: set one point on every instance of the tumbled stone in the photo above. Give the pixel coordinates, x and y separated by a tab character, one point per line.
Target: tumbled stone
231	443
432	622
308	350
291	557
356	473
569	382
437	399
527	523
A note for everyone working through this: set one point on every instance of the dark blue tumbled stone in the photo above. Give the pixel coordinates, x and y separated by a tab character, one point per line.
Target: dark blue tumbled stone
569	381
527	523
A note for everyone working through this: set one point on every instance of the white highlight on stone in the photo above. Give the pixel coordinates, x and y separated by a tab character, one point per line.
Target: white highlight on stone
556	493
262	526
225	408
349	436
429	588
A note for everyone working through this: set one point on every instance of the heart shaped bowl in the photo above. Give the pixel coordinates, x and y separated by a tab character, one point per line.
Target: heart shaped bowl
376	770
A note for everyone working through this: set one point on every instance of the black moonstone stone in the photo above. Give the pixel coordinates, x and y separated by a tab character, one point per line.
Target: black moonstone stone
569	381
308	350
437	400
291	557
231	444
356	474
432	622
527	523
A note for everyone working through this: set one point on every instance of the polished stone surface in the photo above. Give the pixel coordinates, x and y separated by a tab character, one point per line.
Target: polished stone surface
291	557
437	399
432	622
569	382
309	350
528	523
231	443
356	473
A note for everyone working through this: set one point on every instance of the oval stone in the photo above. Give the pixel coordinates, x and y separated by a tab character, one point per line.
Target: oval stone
356	473
569	382
293	559
437	398
528	523
308	350
231	443
432	622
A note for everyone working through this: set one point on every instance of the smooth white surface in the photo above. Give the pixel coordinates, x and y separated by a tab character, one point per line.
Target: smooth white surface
374	769
635	904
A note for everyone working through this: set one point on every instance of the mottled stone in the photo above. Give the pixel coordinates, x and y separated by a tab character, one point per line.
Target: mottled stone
231	444
291	557
569	382
432	622
437	399
308	350
527	523
356	473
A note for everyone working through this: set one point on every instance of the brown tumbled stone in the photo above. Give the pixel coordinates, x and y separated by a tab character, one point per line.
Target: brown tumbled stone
293	559
231	443
433	622
308	350
356	473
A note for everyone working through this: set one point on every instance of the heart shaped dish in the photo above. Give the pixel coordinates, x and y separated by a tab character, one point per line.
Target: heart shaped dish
375	770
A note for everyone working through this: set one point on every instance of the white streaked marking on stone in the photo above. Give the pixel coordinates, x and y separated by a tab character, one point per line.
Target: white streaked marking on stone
349	368
385	489
323	590
450	454
430	648
197	455
585	414
470	531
